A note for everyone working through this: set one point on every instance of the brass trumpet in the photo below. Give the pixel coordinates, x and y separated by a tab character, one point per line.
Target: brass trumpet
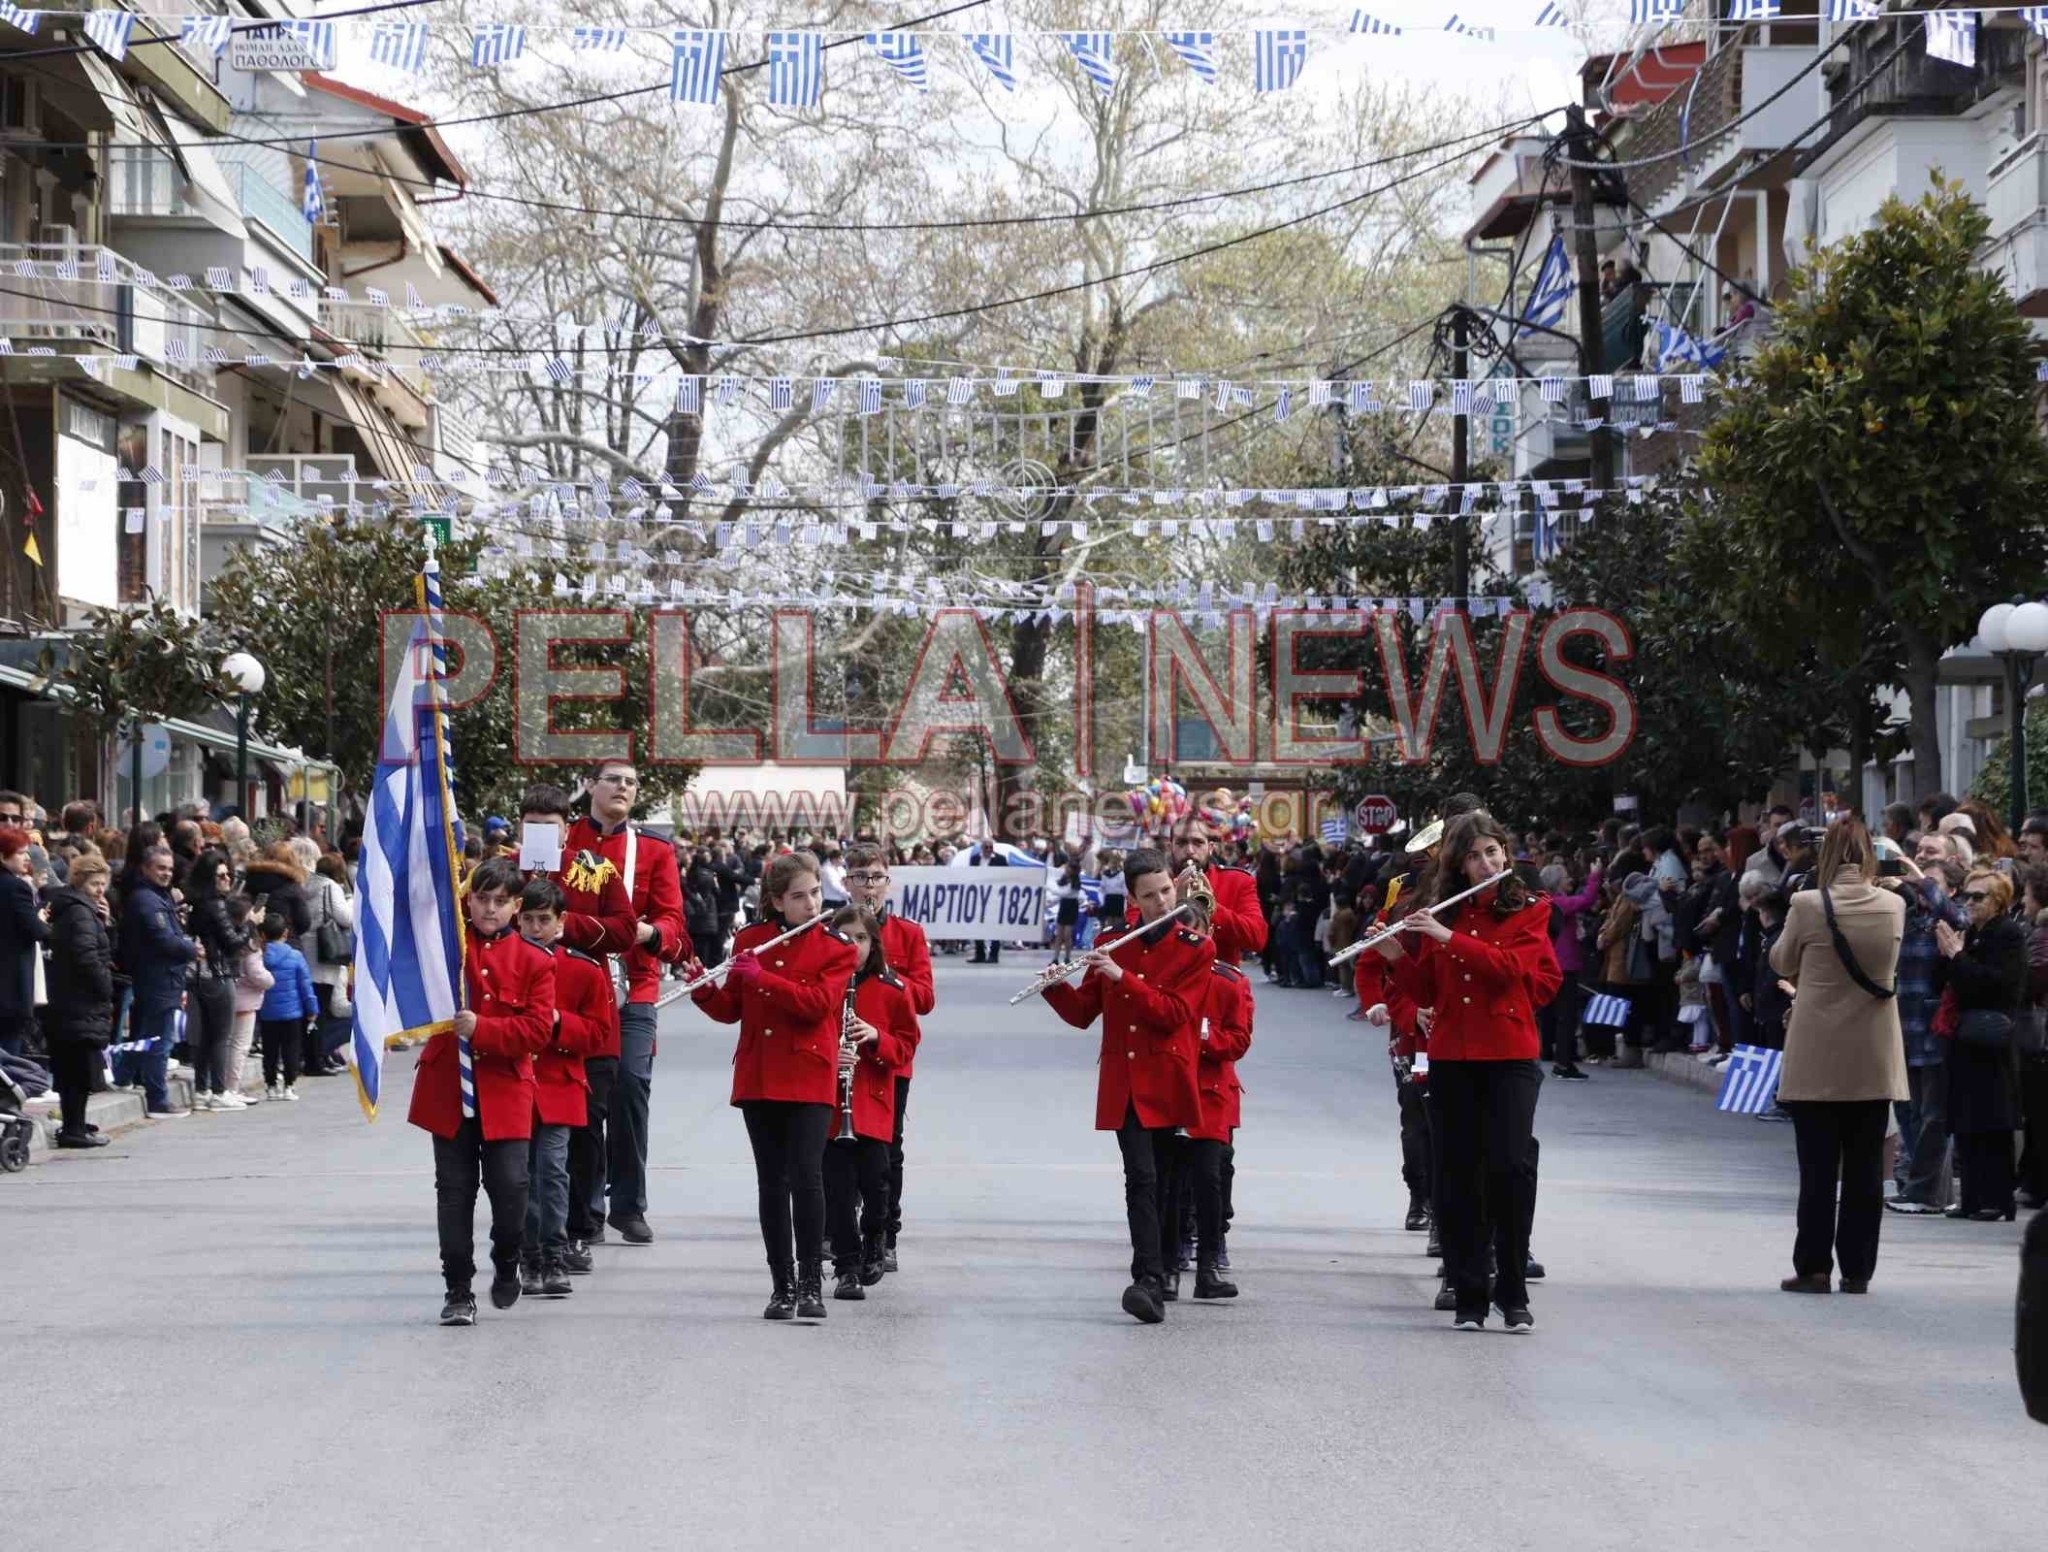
1193	884
1344	954
1053	974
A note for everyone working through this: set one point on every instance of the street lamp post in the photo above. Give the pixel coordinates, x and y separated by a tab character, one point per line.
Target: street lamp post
2016	634
245	675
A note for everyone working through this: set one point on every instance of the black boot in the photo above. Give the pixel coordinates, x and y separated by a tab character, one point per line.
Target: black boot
810	1290
1142	1301
576	1259
1435	1247
460	1308
889	1254
782	1302
1169	1287
1418	1212
846	1283
529	1274
505	1284
873	1267
1209	1286
554	1278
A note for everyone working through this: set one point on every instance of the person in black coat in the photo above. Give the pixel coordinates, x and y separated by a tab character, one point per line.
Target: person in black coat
1983	969
277	882
210	1021
81	1016
22	934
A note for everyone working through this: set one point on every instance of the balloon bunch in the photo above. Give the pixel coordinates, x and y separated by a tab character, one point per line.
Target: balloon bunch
1229	815
1159	802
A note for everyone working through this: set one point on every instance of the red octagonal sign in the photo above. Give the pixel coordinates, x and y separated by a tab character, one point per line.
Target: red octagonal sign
1376	814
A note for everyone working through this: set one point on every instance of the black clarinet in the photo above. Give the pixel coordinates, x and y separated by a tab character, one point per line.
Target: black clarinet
846	1045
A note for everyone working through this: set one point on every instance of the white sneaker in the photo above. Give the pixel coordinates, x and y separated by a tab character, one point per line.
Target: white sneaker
229	1101
274	1091
290	1092
202	1101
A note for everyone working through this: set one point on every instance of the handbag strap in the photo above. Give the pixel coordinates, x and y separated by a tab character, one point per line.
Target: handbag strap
1847	955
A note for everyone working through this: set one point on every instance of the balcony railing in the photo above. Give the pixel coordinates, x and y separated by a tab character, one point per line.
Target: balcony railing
97	302
383	332
1909	81
283	487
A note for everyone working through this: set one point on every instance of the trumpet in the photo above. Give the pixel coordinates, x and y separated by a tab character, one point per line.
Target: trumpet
1193	884
847	1047
724	965
1053	974
1344	954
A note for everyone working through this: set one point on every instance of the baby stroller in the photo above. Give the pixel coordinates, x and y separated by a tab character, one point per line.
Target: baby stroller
15	1128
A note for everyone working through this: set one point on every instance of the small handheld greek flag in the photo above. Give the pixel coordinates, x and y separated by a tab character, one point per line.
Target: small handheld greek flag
1607	1011
1749	1081
697	67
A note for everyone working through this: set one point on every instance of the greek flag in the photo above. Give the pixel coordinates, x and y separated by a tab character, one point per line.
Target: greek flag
822	390
781	393
914	393
401	45
1854	10
902	52
697	67
1283	404
312	202
315	41
1465	29
1753	10
997	52
1360	22
1606	1011
1332	832
111	31
960	390
1952	35
1277	58
689	395
796	68
1094	52
1553	14
496	43
408	927
870	396
2036	17
1421	393
1552	292
1197	50
1749	1080
609	39
1641	11
206	35
17	18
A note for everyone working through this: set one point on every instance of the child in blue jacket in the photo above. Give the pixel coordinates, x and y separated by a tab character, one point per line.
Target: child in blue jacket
286	1007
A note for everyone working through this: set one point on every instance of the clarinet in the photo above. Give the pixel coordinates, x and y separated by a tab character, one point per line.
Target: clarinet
846	1047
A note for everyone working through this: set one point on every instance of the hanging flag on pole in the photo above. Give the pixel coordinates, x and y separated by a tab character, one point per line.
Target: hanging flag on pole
796	68
1552	292
697	66
313	203
409	924
1749	1080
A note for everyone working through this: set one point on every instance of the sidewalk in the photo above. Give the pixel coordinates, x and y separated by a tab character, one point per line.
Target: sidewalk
119	1109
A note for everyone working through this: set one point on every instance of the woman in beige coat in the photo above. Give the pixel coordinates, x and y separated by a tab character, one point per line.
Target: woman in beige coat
1845	1060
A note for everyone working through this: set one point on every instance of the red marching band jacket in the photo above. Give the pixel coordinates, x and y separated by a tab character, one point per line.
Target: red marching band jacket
789	1020
1238	922
1148	1026
1485	984
511	987
657	894
1405	1036
910	957
597	913
886	1003
1223	1028
586	1024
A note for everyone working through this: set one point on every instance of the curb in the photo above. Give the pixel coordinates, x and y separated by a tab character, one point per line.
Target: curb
1677	1067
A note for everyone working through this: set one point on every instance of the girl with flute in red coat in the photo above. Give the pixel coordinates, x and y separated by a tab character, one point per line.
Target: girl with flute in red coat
1485	968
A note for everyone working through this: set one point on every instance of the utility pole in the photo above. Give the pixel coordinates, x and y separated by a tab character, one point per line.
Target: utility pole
1592	344
1461	459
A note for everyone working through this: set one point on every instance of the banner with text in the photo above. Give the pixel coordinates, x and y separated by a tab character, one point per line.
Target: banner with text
970	902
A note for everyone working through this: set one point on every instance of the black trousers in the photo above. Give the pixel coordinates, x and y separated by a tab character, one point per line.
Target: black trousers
1149	1159
896	1161
461	1164
210	1032
71	1075
1558	1022
1202	1161
1482	1115
1985	1159
283	1040
2034	1136
1229	1184
789	1160
856	1198
1840	1143
587	1150
1417	1168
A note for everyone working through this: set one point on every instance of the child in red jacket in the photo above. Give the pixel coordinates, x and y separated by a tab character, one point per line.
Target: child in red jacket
586	1023
857	1194
482	1118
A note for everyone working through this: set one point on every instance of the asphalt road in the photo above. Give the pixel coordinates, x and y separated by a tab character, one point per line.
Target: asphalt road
220	1333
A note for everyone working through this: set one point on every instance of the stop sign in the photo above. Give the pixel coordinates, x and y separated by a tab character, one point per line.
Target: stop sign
1376	814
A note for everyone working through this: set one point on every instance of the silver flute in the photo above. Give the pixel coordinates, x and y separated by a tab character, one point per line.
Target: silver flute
1344	954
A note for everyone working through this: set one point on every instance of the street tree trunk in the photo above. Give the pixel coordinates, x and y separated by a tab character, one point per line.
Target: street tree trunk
1922	660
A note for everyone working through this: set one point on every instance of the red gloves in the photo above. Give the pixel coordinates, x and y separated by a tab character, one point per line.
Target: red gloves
745	971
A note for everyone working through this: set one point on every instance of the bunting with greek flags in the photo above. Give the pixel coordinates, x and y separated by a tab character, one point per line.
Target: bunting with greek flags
315	41
206	36
408	915
2036	18
997	52
1277	57
496	43
697	66
1372	26
1754	10
1095	53
401	45
1553	14
1552	292
902	52
20	19
1643	11
1197	50
1952	35
1854	10
608	40
796	68
110	31
1749	1080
